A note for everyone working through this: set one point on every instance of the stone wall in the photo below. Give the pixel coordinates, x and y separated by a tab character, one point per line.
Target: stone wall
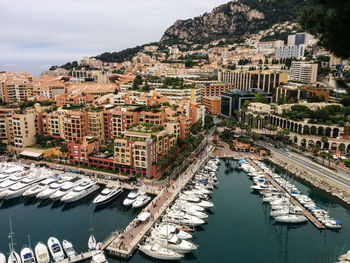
337	190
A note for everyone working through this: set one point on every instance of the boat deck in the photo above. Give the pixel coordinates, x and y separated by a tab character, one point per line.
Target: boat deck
309	216
77	258
124	244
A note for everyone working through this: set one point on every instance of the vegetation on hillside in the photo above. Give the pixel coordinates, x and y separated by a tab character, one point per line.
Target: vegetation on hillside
329	21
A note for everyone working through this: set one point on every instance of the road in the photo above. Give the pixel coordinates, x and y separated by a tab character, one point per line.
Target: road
341	177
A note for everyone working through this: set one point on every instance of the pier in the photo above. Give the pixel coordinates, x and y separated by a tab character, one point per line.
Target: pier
309	216
124	244
77	258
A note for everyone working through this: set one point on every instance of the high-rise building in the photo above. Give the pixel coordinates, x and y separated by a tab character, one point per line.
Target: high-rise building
303	72
266	80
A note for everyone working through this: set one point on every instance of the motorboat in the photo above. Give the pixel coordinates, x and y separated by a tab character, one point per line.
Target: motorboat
189	198
191	211
83	189
2	258
39	187
108	194
191	205
141	200
180	217
294	219
92	242
168	229
158	252
41	253
50	190
98	257
68	248
27	255
66	188
55	249
174	243
131	197
333	224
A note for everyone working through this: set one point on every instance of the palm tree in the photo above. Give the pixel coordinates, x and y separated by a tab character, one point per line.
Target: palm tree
341	147
323	156
324	139
329	155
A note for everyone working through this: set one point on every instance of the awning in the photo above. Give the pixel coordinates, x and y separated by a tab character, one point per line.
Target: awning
31	154
143	216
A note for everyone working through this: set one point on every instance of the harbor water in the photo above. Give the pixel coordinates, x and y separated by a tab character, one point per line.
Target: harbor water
238	229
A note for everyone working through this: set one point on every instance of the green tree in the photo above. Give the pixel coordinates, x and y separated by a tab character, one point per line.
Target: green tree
328	20
137	82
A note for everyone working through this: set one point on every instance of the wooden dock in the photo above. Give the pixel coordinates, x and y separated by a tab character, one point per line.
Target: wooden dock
309	216
124	244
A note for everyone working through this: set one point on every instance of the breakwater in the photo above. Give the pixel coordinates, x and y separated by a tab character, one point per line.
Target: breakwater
313	178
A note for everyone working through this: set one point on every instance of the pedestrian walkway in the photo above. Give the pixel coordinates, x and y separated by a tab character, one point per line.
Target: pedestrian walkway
123	244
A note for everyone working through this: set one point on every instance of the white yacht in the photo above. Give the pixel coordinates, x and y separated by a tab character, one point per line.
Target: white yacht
141	200
291	219
2	258
188	204
92	242
83	189
41	253
19	188
191	211
174	243
98	257
333	224
50	190
68	248
131	197
9	182
168	229
183	218
55	249
66	188
158	252
39	187
108	194
27	255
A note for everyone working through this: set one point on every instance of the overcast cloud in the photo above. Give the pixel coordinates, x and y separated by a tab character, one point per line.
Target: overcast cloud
65	30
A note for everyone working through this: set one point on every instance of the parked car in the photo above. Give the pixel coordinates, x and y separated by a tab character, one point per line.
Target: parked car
286	150
59	168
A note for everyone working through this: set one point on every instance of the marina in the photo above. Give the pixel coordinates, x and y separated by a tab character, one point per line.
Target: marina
78	216
317	223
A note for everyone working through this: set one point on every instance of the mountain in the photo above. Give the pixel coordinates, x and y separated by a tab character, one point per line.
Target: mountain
233	20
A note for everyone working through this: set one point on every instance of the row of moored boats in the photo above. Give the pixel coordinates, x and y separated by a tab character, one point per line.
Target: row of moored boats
282	209
170	238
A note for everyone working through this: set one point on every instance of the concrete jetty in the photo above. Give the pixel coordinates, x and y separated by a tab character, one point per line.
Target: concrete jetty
309	216
124	244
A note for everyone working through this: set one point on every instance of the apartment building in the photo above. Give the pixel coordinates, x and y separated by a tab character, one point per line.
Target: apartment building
75	125
290	51
212	104
96	124
49	124
304	72
5	121
15	86
76	97
266	80
23	127
179	94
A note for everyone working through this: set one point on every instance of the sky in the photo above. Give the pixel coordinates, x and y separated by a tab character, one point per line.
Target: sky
35	34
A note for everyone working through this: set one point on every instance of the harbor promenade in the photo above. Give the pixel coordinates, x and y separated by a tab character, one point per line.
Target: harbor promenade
77	258
309	216
124	243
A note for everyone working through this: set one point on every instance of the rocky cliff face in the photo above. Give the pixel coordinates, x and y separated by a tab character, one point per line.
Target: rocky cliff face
233	20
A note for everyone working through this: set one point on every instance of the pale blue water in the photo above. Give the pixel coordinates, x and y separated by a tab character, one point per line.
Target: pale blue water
239	228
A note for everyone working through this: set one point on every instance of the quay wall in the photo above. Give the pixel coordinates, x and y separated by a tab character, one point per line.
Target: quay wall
313	178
